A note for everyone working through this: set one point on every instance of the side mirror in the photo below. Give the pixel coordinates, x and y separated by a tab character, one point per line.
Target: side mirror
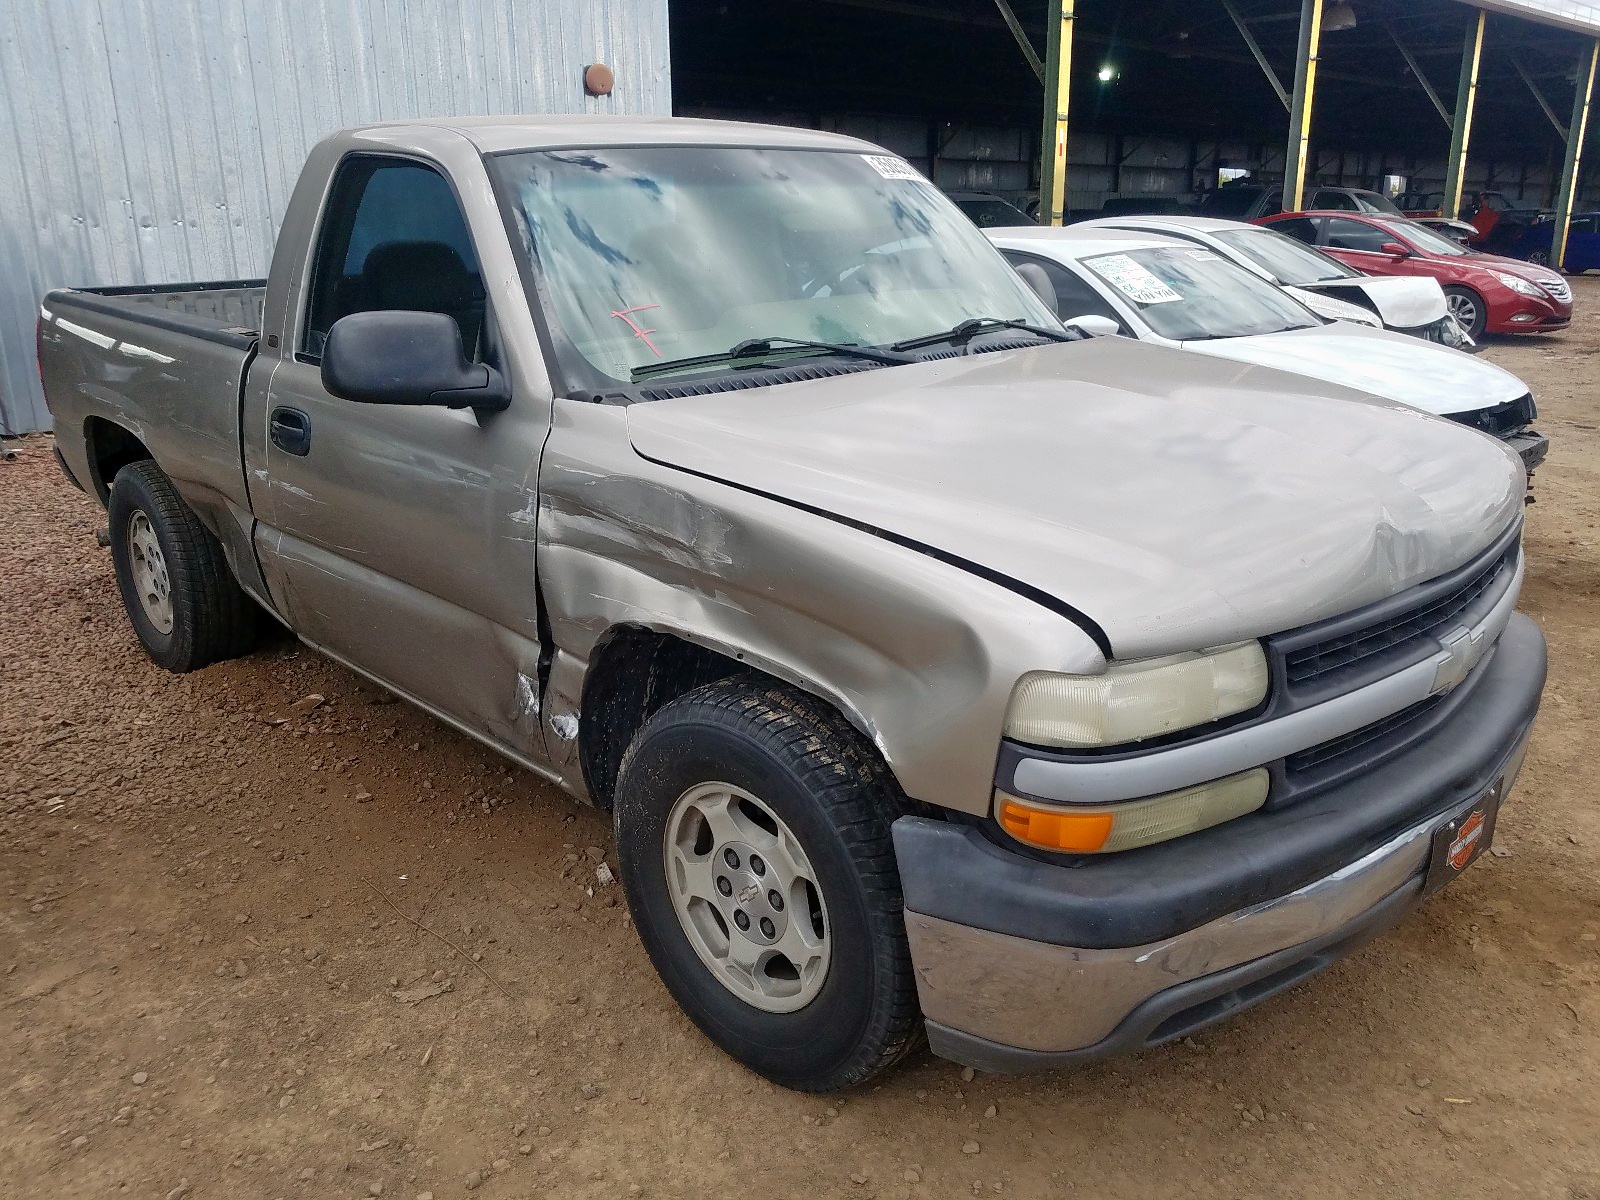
1395	250
1094	325
396	356
1038	283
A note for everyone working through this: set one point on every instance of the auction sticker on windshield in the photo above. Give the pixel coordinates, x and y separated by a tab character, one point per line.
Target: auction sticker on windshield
890	167
1132	280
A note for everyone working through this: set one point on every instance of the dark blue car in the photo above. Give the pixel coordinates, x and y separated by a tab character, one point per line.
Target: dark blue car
1583	243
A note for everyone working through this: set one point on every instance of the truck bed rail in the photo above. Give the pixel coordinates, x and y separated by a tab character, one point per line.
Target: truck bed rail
227	311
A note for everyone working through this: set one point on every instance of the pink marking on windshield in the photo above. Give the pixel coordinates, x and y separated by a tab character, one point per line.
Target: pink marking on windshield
642	334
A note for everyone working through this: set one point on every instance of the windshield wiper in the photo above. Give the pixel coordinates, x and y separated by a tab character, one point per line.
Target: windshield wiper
760	347
972	326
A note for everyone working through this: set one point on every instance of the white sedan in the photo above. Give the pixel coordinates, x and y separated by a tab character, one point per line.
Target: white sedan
1174	293
1411	304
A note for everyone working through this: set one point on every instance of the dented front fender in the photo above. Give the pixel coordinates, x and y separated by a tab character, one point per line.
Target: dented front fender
917	653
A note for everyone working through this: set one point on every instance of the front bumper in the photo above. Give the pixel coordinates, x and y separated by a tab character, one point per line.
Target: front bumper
1531	445
1023	963
1528	314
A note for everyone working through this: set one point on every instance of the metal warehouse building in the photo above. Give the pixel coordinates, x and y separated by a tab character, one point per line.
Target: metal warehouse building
147	141
154	141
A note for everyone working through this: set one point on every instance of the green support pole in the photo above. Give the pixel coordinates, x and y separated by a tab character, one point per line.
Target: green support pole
1305	88
1569	170
1461	128
1057	92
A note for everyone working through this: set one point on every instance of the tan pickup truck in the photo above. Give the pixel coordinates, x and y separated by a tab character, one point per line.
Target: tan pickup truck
946	670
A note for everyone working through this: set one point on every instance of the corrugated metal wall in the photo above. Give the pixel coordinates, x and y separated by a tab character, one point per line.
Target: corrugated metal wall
156	141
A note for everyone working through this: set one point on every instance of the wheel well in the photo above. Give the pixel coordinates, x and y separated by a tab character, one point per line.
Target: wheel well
111	447
634	673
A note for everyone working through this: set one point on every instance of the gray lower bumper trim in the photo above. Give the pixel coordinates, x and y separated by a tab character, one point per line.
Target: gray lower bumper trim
1186	1007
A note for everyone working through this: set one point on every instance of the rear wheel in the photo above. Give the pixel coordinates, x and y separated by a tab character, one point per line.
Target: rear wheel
185	607
1468	308
753	838
1539	258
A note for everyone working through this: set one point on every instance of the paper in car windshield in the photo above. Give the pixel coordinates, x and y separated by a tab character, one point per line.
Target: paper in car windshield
890	167
1132	280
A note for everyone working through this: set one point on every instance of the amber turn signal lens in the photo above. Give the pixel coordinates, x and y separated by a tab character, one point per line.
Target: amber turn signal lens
1080	833
1134	823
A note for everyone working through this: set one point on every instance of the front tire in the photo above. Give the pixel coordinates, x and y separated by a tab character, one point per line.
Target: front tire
1539	258
1468	308
185	606
753	838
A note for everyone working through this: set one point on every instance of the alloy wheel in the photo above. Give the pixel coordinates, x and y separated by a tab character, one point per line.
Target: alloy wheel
747	897
150	576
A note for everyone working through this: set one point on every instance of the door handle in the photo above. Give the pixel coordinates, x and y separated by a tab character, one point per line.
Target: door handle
291	431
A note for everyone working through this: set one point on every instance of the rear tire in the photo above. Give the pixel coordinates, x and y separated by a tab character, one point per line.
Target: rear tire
185	606
1539	258
731	789
1468	308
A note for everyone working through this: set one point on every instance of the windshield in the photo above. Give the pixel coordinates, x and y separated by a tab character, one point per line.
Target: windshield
1288	261
648	254
1186	293
1427	240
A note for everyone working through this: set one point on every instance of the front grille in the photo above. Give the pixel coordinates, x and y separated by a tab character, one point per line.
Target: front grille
1503	419
1557	288
1351	648
1327	754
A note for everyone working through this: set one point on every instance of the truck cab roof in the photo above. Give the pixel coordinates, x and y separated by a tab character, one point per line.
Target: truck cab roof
498	134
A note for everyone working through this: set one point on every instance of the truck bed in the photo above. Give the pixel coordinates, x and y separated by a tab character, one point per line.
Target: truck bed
163	365
226	311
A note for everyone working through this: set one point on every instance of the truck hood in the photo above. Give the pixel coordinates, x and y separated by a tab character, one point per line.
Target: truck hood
1395	366
1403	302
1178	501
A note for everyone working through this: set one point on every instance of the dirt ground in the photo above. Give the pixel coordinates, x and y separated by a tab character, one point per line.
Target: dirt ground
249	950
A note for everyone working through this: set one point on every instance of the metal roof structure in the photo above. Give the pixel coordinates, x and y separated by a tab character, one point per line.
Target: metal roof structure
1577	15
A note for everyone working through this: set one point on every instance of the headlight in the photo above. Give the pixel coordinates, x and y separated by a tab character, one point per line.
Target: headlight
1517	284
1105	829
1137	700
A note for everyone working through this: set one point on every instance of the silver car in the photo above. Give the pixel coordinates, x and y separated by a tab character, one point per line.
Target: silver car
1174	293
1410	305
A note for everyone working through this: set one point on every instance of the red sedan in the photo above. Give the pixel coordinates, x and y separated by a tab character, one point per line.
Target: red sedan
1486	293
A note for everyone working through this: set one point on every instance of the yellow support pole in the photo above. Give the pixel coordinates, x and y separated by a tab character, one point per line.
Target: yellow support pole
1461	133
1569	171
1057	94
1305	88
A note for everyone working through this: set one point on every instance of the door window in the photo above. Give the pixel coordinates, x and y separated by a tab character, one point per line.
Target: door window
1581	225
1301	229
1075	297
393	237
1345	234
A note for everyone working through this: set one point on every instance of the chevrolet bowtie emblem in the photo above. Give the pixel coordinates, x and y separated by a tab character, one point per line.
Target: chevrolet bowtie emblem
1461	650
